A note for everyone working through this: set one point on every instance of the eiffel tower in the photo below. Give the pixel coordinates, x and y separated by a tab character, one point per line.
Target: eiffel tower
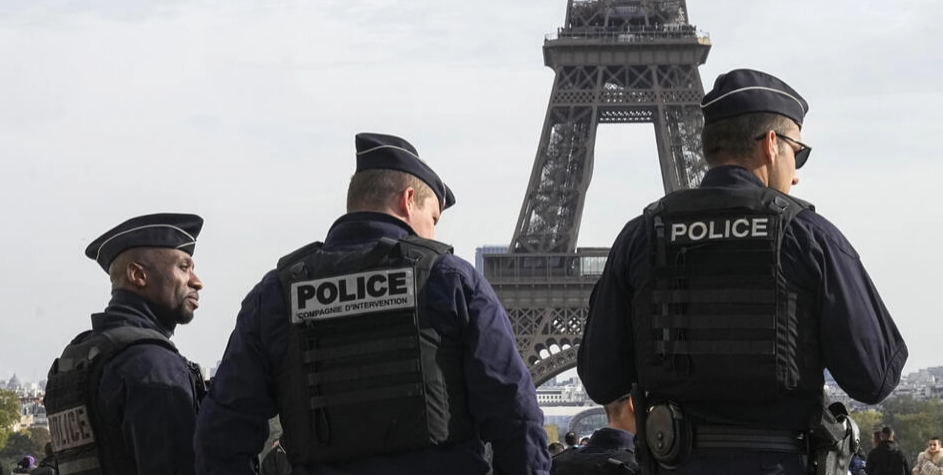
616	62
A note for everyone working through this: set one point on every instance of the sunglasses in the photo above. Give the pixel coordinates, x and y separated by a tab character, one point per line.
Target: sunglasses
801	155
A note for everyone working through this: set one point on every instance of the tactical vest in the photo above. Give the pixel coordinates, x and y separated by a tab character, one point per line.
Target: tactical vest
717	321
365	372
76	427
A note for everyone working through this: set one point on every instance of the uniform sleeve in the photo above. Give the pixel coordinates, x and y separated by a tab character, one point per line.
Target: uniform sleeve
158	411
233	422
861	346
606	358
502	398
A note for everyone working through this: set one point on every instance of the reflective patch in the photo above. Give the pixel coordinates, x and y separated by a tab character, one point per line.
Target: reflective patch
353	294
70	428
720	229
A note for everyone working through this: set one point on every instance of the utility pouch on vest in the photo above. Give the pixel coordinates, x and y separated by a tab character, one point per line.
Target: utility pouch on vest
365	372
72	397
833	441
668	434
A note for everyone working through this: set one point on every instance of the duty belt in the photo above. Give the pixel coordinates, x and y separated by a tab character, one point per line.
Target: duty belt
741	438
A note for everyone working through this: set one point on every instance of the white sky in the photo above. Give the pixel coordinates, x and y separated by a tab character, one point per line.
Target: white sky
244	112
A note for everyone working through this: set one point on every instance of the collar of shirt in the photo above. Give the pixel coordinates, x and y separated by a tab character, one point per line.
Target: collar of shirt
609	438
730	176
127	309
356	229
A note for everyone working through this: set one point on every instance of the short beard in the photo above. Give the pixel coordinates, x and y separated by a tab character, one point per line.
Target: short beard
170	318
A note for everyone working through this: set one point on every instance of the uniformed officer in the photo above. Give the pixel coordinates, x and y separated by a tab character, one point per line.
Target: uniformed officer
724	303
121	399
610	451
380	350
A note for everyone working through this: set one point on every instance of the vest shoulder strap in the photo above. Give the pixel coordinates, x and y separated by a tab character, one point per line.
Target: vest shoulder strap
432	245
298	255
757	199
88	348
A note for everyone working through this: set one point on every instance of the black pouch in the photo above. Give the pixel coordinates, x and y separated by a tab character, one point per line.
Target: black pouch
668	435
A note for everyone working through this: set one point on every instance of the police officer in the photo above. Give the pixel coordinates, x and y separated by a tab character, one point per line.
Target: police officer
610	451
724	303
380	350
121	399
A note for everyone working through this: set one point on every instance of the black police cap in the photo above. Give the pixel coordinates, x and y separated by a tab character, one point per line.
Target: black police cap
378	151
744	91
176	231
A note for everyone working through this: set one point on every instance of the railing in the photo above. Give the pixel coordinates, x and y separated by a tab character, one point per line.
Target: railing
640	35
585	266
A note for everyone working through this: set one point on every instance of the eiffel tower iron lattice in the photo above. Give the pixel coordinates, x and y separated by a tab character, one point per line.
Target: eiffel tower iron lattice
616	61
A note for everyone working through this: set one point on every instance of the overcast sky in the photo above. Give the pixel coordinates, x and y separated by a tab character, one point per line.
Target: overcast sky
245	111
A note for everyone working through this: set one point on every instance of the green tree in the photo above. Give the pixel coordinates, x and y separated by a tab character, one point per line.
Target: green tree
868	421
20	444
913	422
40	437
9	414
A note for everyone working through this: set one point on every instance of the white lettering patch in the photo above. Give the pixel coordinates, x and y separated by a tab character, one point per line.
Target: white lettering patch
366	292
70	428
738	228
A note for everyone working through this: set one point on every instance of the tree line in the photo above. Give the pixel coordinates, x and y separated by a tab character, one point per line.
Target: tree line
913	421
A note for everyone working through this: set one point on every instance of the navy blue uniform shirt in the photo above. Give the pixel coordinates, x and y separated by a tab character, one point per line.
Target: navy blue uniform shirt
501	396
860	344
146	394
605	444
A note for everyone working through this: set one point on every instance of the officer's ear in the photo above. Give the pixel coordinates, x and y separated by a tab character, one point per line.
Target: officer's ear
406	202
769	148
136	274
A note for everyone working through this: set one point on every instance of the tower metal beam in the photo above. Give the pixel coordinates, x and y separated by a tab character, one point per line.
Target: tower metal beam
615	61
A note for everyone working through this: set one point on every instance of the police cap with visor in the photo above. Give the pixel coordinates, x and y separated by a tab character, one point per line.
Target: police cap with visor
168	230
746	91
378	151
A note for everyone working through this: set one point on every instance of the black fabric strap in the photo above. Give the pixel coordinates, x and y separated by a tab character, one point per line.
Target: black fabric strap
719	322
346	351
715	347
364	372
367	395
714	296
740	438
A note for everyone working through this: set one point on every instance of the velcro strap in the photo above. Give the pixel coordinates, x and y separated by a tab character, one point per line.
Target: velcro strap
762	270
713	296
346	351
719	322
715	347
740	438
367	395
363	372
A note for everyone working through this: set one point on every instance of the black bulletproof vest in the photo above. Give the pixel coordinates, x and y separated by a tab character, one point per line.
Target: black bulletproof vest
365	373
75	425
718	321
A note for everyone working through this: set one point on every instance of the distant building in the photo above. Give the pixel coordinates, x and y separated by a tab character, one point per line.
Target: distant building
480	255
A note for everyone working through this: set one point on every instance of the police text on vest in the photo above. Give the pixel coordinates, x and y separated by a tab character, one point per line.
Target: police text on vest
353	294
70	428
740	228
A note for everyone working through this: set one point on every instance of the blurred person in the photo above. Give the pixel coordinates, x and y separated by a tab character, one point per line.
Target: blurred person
930	461
887	458
610	450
